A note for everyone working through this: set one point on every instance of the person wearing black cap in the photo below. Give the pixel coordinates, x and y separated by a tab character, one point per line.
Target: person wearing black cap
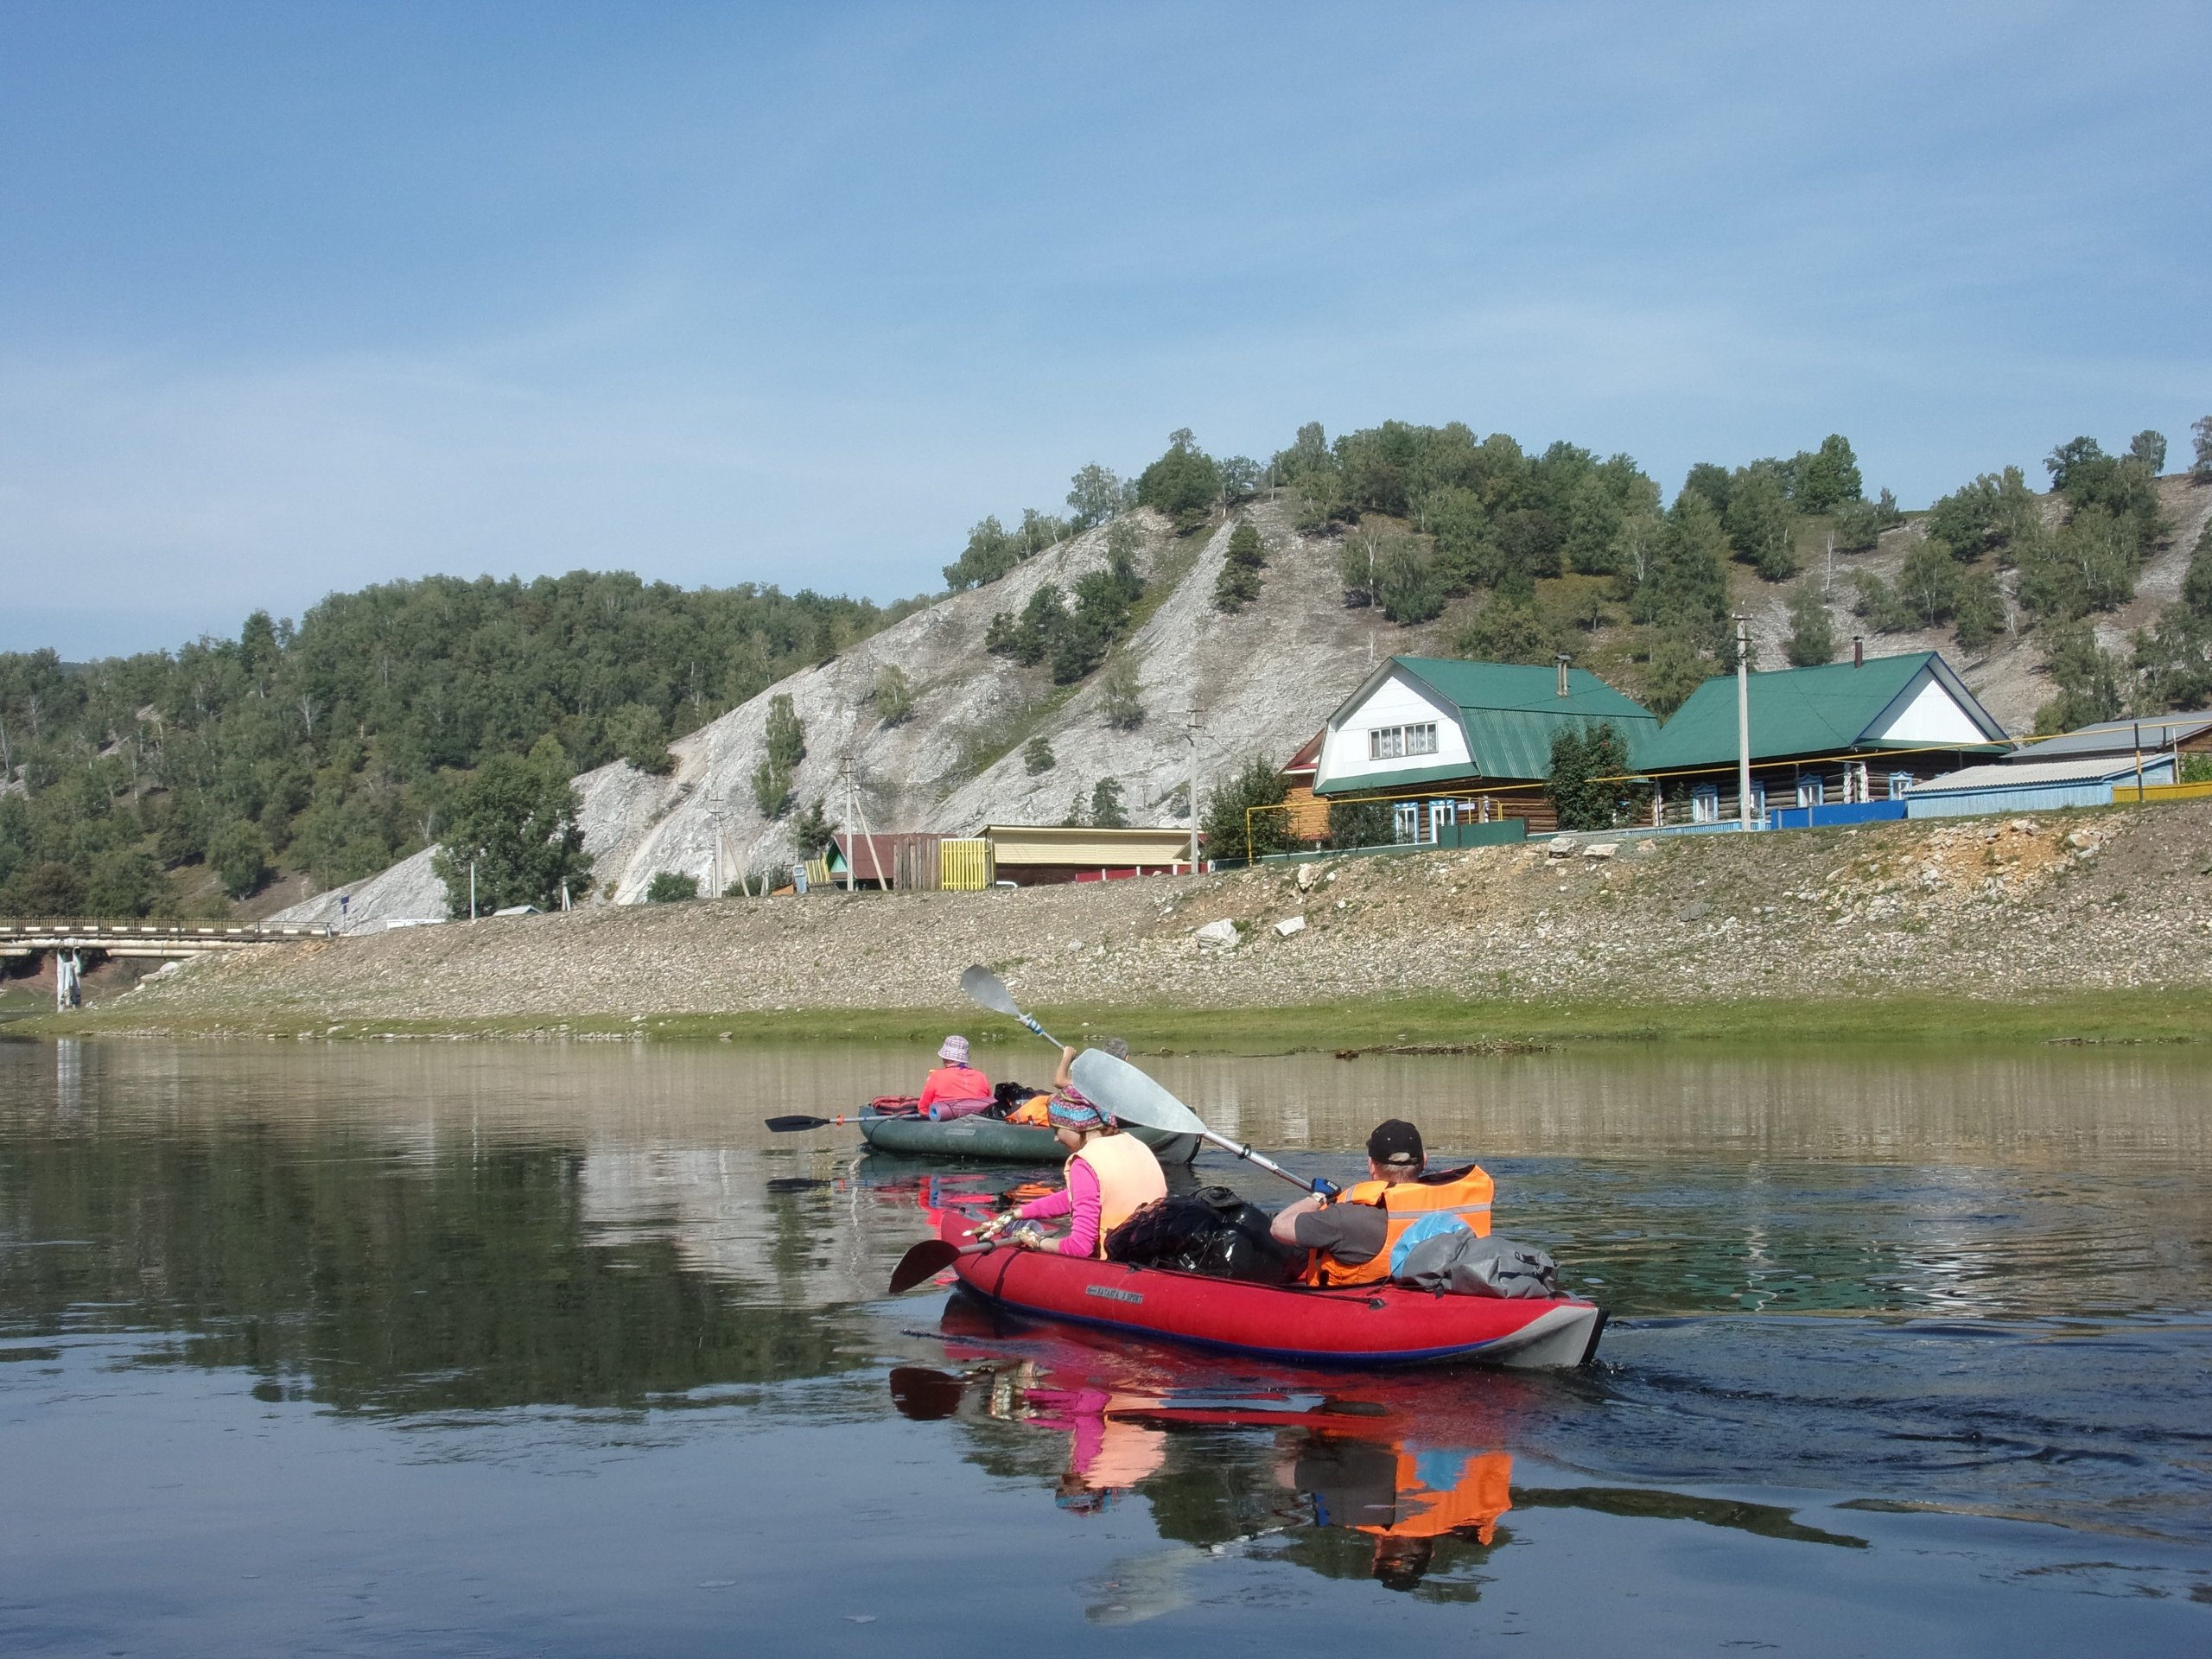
1349	1237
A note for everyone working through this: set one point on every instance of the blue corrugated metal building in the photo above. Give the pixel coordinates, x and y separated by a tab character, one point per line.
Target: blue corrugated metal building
2032	787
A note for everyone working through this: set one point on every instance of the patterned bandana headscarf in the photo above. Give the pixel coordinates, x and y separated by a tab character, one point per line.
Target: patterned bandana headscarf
1068	1109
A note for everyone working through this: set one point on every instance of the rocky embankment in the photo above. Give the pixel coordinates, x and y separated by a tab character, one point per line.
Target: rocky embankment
2027	907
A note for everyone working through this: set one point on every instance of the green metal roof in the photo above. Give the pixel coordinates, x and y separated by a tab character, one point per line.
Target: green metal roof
1801	711
1509	712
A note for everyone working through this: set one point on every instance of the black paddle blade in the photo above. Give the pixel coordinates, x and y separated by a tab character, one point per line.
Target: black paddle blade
923	1396
792	1125
925	1262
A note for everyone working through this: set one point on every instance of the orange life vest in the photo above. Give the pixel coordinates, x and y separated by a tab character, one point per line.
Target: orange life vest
1032	1110
1129	1177
1464	1193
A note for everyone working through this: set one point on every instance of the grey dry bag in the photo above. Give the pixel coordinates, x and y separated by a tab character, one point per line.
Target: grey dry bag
1452	1260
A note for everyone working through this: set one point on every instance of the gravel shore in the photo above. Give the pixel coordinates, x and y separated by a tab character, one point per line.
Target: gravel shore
2028	907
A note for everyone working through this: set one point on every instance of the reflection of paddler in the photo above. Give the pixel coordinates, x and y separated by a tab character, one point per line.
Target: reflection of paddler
1407	1499
1107	1454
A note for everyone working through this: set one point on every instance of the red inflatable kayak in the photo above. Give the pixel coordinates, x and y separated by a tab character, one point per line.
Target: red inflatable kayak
1370	1325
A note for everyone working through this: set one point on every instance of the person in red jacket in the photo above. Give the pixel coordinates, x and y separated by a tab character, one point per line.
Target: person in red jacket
954	1089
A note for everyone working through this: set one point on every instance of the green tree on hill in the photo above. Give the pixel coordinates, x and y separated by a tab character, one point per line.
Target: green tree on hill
517	819
893	695
1096	494
1758	521
1106	811
1811	635
786	739
1688	585
2085	677
1238	584
1825	479
1184	483
239	853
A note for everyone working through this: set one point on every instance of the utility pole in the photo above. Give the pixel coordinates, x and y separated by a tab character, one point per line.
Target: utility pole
1194	788
472	889
852	821
1742	720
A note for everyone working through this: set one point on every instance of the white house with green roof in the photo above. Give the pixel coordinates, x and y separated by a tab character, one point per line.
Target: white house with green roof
1844	735
1451	742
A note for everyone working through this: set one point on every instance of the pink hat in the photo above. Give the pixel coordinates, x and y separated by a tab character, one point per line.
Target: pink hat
956	1049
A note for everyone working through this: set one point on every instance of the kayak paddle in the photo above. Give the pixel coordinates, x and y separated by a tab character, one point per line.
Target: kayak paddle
794	1124
986	988
928	1259
1131	1096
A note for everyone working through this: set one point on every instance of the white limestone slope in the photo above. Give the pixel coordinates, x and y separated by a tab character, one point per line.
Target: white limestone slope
1262	680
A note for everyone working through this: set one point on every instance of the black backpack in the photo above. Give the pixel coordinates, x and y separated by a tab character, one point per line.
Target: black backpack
1211	1231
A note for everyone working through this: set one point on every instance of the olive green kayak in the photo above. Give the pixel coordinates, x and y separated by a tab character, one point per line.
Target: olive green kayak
997	1140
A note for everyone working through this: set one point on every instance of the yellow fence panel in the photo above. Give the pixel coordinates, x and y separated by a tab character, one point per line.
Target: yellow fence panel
964	865
2128	795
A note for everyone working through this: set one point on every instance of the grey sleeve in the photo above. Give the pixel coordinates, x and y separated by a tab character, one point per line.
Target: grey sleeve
1352	1233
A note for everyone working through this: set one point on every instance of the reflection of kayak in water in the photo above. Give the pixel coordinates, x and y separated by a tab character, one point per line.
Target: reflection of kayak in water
1411	1465
1370	1325
995	1140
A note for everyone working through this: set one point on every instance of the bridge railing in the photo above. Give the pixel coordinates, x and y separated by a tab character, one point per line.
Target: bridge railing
140	930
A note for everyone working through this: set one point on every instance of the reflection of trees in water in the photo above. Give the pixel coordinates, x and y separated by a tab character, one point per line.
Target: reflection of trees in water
378	1280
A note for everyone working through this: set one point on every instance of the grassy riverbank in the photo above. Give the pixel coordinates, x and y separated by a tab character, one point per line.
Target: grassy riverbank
1412	1022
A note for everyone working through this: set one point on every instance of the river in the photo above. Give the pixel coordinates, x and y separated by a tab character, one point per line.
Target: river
479	1348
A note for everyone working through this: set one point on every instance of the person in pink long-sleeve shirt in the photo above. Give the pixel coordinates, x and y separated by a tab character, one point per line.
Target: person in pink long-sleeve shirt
954	1089
1102	1155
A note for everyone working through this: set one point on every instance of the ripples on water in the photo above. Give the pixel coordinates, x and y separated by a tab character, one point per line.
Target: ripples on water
1855	1298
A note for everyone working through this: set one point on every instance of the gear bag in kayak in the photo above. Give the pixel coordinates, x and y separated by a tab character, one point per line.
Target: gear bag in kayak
1441	1255
1211	1231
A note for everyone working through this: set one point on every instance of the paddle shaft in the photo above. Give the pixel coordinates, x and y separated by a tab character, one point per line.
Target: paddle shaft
1320	1188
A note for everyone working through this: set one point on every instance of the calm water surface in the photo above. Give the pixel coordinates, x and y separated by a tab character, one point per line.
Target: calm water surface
456	1348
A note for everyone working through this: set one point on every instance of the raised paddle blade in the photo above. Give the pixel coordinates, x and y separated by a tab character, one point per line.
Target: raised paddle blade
985	986
792	1125
1130	1094
925	1262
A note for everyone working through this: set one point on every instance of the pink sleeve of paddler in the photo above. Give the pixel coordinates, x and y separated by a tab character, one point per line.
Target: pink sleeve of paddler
1051	1207
1082	1203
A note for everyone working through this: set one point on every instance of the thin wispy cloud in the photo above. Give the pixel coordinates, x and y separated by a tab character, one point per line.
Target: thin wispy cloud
294	301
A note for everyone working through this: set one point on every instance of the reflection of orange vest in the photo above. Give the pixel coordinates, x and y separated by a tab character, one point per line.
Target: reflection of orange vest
1129	1179
1483	1492
1463	1192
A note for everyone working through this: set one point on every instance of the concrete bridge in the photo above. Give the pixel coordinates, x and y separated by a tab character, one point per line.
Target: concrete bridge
141	939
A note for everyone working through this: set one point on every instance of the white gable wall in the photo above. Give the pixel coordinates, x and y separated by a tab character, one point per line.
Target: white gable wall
1400	700
1926	712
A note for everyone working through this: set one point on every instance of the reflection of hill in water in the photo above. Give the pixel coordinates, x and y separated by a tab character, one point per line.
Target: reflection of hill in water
424	1279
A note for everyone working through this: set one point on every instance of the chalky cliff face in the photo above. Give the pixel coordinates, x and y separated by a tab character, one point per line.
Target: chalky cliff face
1262	680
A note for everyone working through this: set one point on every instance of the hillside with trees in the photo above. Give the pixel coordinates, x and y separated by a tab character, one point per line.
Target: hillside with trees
719	731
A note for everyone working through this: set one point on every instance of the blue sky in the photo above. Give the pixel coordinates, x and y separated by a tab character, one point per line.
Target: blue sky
296	298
